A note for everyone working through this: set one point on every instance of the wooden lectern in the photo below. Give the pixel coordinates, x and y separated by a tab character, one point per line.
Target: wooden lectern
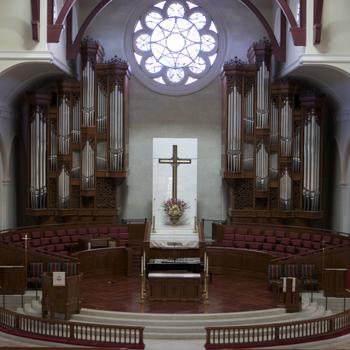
60	299
291	294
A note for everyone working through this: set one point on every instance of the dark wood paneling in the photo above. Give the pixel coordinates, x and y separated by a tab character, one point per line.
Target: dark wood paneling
250	262
113	261
12	280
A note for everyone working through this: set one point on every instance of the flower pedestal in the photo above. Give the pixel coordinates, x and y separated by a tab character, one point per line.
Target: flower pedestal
174	219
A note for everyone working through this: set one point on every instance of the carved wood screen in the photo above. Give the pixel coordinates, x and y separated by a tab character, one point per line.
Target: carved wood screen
78	145
272	139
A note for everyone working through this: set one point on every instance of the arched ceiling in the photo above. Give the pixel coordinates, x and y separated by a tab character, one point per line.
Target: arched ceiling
331	81
16	80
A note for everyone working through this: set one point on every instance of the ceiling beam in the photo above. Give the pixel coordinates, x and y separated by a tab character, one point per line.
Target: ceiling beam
54	30
318	10
298	32
35	19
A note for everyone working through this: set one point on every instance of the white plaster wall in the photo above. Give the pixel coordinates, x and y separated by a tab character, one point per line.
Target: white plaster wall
7	169
16	28
341	197
193	116
335	29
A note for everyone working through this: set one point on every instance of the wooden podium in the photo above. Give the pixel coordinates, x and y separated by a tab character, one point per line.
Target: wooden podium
60	299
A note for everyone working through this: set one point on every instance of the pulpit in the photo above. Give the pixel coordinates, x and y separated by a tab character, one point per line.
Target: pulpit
291	294
60	299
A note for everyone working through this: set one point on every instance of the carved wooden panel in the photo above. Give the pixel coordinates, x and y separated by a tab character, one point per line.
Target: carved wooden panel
243	192
105	193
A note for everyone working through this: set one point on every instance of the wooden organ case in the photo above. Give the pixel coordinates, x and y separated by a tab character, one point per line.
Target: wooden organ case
78	141
272	141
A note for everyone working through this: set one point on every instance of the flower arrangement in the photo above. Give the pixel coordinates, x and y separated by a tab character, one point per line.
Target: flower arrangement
174	208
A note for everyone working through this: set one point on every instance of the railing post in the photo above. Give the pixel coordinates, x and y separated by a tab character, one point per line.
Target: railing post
277	333
331	325
17	324
71	331
141	336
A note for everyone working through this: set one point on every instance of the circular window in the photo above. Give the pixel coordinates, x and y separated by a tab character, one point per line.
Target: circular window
175	47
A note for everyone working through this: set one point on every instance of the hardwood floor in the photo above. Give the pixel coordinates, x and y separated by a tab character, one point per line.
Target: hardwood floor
227	293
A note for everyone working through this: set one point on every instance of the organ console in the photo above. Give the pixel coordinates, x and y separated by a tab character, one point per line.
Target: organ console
78	145
272	160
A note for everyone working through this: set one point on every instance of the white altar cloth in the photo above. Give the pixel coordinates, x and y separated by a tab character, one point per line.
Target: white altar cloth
180	237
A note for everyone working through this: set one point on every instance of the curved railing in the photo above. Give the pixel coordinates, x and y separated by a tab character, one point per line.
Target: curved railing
73	333
278	334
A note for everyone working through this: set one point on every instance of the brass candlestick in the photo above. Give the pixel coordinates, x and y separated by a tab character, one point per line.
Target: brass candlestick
195	225
153	224
142	292
206	291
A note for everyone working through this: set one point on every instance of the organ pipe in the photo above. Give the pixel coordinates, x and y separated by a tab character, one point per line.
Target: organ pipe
234	130
261	167
88	95
101	159
311	179
274	124
63	188
263	88
63	127
296	151
53	148
286	129
101	110
116	142
274	166
248	156
76	122
88	167
285	190
75	172
249	112
38	185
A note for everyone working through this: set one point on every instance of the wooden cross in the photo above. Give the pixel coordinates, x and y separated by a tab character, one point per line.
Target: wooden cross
174	161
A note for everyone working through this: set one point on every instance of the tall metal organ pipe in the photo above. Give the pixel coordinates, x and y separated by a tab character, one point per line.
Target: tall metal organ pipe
234	130
116	141
88	95
286	128
311	183
262	109
88	167
262	160
63	127
38	181
285	190
63	188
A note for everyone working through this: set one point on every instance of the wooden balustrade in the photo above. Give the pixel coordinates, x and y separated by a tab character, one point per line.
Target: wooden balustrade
278	333
71	332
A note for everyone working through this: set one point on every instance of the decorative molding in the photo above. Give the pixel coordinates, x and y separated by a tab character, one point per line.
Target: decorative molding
35	20
324	58
26	55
